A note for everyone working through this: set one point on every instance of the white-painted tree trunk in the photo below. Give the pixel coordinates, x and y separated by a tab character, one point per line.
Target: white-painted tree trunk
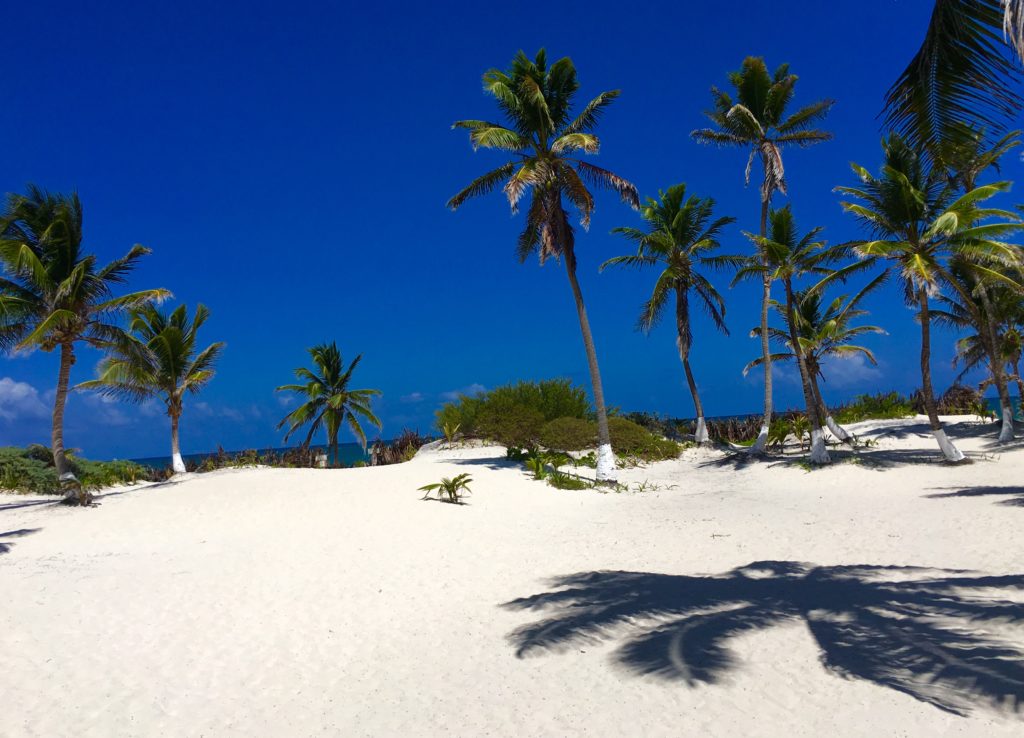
177	465
701	434
951	452
819	453
605	463
837	430
1006	432
762	441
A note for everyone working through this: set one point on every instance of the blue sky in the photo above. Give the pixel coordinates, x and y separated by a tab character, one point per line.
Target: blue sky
289	166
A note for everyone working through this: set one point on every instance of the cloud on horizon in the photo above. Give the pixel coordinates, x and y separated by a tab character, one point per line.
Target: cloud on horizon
20	401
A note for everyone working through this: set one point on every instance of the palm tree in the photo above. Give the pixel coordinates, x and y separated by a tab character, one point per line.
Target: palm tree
680	237
329	403
544	143
962	76
55	296
785	255
918	231
757	121
965	155
824	332
159	358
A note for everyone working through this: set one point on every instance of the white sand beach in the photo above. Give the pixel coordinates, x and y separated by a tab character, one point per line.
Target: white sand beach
880	596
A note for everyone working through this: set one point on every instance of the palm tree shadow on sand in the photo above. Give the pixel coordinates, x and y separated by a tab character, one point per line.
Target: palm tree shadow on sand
924	632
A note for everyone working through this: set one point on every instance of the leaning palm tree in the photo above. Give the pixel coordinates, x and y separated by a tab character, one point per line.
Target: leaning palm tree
757	120
919	230
823	333
680	236
785	255
329	403
55	296
544	142
159	358
963	76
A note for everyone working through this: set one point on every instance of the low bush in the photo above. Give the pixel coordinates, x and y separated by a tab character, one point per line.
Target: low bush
569	434
880	406
449	490
635	443
513	410
401	449
957	400
30	470
562	480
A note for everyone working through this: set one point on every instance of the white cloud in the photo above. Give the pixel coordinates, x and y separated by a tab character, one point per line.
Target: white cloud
20	400
471	389
412	397
850	370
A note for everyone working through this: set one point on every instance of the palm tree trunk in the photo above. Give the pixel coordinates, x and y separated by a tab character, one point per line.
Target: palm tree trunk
605	457
951	452
766	353
700	433
989	331
177	464
74	493
1020	387
819	453
837	430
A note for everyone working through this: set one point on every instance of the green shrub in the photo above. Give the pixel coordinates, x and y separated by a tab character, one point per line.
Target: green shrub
510	424
30	470
880	406
562	480
474	414
569	434
636	443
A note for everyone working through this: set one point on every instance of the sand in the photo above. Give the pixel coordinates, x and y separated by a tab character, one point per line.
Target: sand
883	595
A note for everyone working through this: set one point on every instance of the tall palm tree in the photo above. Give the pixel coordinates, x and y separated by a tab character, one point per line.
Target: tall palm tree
757	120
55	296
159	358
544	142
963	76
919	229
329	403
965	155
824	332
785	255
680	236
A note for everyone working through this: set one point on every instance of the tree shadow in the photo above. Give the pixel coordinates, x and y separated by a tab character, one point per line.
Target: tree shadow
1015	494
926	633
491	462
6	544
871	458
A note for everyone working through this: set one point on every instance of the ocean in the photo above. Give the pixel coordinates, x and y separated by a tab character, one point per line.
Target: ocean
348	454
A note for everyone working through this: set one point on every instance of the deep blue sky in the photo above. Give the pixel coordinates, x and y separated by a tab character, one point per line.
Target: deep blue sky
289	164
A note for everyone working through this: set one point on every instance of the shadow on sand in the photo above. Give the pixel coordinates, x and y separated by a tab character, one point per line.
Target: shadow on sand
5	538
1014	495
924	632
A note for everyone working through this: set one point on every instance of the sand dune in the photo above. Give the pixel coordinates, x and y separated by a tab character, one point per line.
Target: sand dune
881	596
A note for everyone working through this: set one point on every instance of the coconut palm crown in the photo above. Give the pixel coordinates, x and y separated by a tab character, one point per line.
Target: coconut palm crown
159	357
54	295
920	228
681	235
329	401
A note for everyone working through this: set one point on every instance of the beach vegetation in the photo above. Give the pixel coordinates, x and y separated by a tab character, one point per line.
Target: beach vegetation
547	143
56	296
680	236
159	357
757	120
328	400
564	480
569	434
451	489
31	471
633	443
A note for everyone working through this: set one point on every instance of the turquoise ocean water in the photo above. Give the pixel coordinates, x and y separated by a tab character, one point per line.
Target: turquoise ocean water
348	454
993	405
